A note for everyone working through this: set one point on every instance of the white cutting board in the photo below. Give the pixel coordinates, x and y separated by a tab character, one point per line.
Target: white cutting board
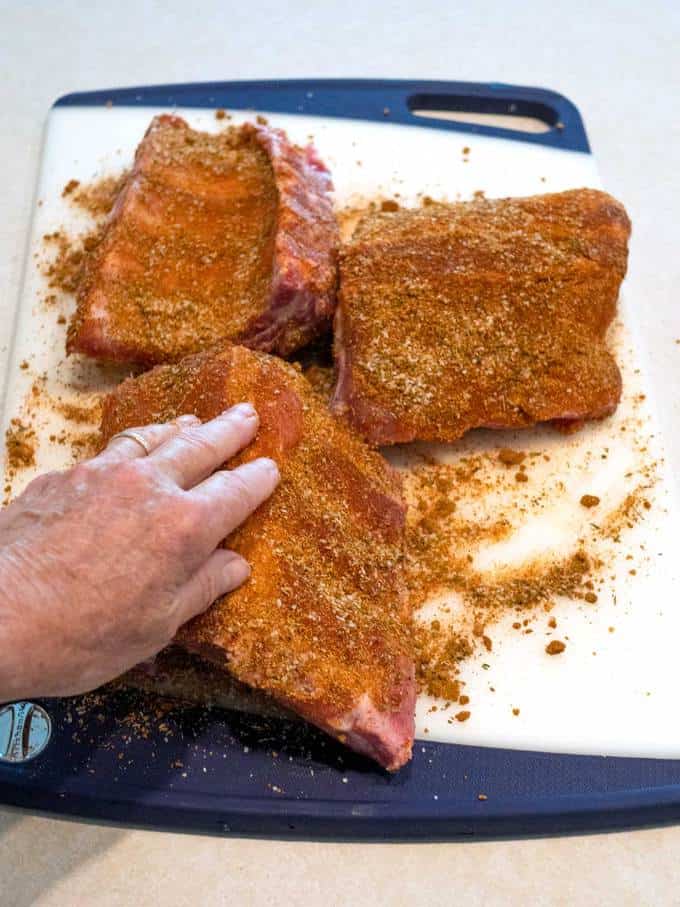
609	693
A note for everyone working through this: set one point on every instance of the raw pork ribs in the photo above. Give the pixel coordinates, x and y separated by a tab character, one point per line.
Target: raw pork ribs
322	626
480	314
212	237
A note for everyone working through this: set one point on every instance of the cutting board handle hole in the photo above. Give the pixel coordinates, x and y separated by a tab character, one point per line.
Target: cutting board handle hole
503	113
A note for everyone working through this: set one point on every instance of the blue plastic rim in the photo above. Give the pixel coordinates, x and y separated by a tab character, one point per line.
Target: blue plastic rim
218	772
382	100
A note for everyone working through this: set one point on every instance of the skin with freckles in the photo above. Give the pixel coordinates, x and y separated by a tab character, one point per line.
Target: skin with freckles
102	563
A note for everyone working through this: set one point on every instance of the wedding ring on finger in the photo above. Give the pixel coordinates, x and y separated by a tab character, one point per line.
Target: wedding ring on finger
134	436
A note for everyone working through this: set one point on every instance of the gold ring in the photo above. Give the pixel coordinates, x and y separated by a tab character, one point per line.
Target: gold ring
134	436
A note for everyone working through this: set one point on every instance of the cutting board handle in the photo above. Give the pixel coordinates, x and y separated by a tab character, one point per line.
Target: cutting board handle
380	100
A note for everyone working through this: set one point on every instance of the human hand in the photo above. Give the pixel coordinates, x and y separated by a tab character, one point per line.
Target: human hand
102	563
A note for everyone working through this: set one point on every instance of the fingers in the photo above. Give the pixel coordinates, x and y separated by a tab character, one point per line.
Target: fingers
125	447
223	572
229	496
194	453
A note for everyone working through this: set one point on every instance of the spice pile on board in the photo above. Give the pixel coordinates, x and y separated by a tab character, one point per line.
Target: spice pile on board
460	511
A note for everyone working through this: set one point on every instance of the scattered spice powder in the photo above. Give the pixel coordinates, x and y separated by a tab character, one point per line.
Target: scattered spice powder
69	187
626	514
82	435
20	441
555	647
64	270
589	500
511	457
433	532
463	716
65	255
81	414
440	541
97	197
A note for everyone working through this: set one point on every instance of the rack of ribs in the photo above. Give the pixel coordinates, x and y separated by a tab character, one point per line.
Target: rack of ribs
490	313
322	626
212	237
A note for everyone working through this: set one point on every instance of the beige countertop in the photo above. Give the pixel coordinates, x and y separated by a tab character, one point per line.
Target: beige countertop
618	61
61	864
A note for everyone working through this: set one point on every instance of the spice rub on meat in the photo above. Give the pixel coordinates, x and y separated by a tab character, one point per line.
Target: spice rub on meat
490	313
212	236
322	625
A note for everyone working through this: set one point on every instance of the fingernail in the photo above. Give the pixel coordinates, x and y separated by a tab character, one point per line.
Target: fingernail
269	465
236	571
187	419
244	410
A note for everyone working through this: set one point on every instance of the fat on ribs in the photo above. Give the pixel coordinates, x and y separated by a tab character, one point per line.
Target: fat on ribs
212	236
322	626
490	313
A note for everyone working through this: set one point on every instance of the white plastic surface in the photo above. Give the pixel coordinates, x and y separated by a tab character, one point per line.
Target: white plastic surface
618	701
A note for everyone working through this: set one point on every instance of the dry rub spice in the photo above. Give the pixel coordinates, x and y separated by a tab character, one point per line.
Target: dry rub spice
64	270
626	515
20	441
97	197
81	414
70	187
80	433
441	538
510	457
436	345
321	378
66	254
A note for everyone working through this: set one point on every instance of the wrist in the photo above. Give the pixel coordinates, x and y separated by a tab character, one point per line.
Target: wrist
19	642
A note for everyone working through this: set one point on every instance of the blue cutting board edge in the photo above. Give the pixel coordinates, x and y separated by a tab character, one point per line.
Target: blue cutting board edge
305	785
